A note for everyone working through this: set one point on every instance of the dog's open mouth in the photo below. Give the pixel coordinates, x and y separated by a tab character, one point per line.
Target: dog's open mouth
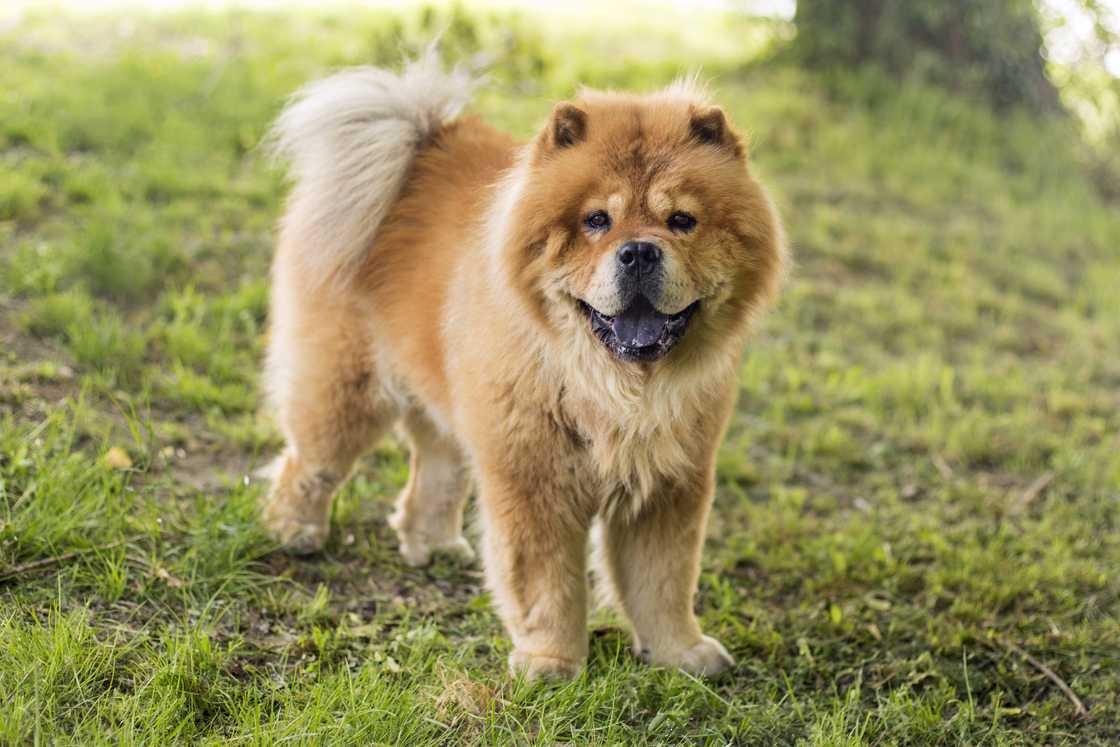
640	332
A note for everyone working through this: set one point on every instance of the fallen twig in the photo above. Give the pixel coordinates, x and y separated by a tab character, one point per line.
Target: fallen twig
942	466
38	565
1080	711
1033	491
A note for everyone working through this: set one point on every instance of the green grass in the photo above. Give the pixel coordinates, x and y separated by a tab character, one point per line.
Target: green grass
920	488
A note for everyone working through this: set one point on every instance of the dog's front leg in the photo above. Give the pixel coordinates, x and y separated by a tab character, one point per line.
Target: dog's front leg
535	544
653	563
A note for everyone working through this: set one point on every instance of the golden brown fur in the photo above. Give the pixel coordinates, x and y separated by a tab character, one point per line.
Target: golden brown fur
463	322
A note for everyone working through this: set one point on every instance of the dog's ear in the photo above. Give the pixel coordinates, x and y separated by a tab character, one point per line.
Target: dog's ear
567	126
708	125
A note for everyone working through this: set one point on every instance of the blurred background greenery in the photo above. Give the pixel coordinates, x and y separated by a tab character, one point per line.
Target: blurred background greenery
915	534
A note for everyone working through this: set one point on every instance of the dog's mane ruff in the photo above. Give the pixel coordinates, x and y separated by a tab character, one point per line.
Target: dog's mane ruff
645	439
509	189
350	140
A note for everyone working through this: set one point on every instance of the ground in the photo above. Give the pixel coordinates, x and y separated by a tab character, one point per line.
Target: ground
916	531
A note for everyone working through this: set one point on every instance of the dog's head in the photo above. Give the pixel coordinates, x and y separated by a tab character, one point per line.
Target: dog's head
637	222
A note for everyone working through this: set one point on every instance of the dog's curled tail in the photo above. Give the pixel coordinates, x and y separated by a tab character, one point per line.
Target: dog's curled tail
350	140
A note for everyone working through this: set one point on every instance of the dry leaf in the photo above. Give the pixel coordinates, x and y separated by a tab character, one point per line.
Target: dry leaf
461	691
163	575
359	629
117	458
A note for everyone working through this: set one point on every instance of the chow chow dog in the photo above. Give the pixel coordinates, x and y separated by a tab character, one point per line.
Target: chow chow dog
558	322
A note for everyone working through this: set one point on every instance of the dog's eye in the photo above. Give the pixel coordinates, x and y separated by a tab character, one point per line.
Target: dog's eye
681	222
597	221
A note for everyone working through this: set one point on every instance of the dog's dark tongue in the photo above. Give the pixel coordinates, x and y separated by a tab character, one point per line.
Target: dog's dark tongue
640	325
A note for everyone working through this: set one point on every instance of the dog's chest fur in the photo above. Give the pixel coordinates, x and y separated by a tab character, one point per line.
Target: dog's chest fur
632	448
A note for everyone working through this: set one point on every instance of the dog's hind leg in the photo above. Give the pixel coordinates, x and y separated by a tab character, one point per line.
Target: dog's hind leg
329	404
429	515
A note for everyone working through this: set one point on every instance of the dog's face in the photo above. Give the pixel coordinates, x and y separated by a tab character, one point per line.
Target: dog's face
639	224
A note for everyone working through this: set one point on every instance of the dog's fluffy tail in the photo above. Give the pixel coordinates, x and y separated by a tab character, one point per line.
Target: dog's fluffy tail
351	139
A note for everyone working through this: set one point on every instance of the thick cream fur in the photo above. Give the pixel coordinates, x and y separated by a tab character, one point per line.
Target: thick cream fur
456	318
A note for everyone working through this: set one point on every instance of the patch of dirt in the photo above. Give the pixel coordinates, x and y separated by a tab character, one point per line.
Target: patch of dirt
20	348
36	375
203	466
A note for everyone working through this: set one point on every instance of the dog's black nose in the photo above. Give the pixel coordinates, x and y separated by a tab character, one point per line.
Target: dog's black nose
636	257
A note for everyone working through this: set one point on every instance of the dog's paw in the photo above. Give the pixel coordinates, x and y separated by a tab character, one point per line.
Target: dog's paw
417	549
535	667
297	536
418	553
706	658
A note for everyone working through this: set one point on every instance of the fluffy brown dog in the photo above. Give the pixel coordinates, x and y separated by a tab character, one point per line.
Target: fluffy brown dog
561	320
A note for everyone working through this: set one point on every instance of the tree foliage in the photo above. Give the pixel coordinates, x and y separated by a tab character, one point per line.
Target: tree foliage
993	47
